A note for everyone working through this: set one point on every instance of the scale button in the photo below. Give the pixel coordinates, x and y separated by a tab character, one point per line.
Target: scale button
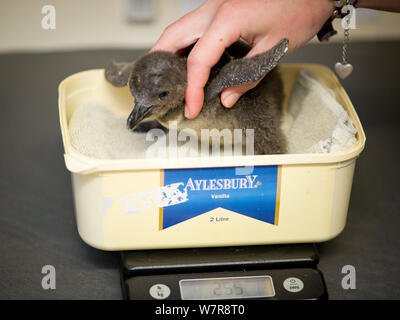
160	291
293	284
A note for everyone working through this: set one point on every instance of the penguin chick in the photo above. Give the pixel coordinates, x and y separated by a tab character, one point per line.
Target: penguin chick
157	82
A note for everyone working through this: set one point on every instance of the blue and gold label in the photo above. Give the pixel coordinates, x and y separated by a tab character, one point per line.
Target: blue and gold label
187	193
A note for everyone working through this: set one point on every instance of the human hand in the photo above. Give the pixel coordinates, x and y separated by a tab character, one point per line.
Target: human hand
217	24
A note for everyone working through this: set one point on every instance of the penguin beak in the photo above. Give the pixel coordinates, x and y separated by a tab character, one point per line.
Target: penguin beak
139	112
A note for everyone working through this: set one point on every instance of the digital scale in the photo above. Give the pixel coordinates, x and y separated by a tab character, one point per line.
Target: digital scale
253	272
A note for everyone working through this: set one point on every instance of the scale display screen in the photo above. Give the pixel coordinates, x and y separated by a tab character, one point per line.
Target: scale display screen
227	288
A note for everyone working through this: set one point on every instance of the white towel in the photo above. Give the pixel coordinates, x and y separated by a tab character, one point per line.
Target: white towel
314	123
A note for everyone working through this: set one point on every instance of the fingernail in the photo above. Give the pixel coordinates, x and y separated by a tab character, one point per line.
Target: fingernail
230	100
187	112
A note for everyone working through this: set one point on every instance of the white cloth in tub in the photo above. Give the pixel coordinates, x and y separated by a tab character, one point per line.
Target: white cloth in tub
314	123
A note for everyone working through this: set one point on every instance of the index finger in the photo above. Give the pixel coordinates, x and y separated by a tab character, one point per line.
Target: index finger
204	55
175	37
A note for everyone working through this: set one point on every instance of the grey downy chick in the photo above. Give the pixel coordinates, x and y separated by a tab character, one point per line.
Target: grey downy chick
157	82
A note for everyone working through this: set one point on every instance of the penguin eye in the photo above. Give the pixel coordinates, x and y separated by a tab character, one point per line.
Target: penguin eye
163	94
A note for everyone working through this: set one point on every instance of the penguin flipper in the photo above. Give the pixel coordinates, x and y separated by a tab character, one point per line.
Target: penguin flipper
246	70
118	73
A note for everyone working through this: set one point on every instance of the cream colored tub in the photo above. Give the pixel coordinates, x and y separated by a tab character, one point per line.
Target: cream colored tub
118	204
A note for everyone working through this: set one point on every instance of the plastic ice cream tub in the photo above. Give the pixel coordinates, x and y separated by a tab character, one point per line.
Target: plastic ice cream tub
155	203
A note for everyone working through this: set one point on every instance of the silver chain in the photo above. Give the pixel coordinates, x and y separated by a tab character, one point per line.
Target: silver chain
346	40
344	68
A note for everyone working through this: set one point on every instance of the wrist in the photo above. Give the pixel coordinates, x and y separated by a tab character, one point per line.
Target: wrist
327	29
365	3
342	3
386	5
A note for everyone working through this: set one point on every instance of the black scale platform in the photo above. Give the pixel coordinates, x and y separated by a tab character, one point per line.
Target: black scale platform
254	272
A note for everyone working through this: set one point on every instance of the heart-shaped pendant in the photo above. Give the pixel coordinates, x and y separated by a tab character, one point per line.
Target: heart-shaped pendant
343	70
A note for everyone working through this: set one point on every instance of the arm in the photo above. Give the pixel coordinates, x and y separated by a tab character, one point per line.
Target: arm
386	5
217	24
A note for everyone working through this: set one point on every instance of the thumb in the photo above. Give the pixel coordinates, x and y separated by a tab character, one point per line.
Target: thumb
231	95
